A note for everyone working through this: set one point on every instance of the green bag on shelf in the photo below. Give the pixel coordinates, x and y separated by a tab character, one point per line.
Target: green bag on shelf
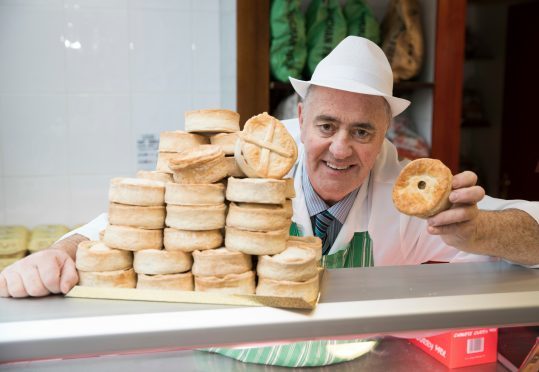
326	27
361	20
288	51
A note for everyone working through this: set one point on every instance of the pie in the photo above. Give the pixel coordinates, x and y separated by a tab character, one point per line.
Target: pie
178	140
256	242
196	217
212	121
265	149
308	290
233	170
226	141
243	283
194	194
311	242
137	191
155	175
220	262
96	256
177	282
160	261
202	164
294	264
190	240
422	188
132	238
256	190
151	217
257	217
117	279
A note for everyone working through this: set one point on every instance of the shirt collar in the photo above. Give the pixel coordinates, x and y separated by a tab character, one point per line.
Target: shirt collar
315	204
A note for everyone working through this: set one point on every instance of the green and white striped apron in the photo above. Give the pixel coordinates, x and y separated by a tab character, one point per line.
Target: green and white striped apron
311	353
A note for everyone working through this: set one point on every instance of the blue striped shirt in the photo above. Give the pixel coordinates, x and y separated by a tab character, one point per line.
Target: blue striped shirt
315	205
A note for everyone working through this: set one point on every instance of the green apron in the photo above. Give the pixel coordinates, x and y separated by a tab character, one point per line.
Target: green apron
310	353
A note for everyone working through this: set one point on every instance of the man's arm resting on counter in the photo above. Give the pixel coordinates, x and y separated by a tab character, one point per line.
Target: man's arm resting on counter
511	234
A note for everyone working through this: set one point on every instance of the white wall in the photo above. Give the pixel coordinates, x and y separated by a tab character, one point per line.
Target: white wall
87	85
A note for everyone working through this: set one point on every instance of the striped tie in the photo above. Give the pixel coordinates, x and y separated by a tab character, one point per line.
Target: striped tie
322	221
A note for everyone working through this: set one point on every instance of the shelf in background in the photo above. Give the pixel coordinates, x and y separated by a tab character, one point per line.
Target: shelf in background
401	86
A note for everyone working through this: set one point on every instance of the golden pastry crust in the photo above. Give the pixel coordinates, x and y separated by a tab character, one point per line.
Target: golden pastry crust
115	279
96	256
256	190
202	164
422	188
313	243
233	170
189	240
287	205
256	242
227	141
137	191
132	238
162	162
220	262
176	282
194	194
257	217
160	261
151	217
196	217
212	121
308	290
294	263
290	191
265	149
155	175
178	140
243	283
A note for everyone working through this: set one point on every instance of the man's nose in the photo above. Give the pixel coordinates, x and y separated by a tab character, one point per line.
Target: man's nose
340	147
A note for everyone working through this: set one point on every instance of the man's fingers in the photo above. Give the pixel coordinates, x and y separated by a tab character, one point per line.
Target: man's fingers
458	214
15	287
32	282
468	195
68	276
464	179
49	272
3	286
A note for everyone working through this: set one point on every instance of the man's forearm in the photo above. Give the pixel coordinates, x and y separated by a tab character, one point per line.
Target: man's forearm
69	244
511	234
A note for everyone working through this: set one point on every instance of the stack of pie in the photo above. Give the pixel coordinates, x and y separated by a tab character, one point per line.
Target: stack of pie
223	271
291	273
173	142
13	244
213	225
102	266
222	128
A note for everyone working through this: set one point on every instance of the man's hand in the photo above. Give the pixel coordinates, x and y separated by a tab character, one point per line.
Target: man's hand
511	234
49	271
41	273
458	225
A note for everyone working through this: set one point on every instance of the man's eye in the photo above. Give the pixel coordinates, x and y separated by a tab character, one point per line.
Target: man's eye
360	133
326	128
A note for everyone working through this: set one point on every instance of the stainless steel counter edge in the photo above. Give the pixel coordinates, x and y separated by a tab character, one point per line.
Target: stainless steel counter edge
418	310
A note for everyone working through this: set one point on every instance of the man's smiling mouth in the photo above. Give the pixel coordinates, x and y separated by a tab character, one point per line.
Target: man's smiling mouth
337	167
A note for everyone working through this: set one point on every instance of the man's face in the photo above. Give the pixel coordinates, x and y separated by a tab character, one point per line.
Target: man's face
342	133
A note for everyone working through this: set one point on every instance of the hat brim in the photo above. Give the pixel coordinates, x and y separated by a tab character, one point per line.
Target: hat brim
396	104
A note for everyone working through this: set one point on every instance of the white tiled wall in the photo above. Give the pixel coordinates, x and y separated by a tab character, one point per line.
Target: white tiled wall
82	80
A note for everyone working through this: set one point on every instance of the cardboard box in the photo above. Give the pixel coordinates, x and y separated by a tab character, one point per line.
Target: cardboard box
461	348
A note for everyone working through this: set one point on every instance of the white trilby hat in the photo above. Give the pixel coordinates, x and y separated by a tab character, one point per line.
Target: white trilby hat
355	65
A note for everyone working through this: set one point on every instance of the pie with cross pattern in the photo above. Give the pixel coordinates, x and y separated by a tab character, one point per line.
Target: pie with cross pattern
265	149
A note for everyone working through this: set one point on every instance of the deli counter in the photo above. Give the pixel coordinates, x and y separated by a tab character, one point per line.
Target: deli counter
382	302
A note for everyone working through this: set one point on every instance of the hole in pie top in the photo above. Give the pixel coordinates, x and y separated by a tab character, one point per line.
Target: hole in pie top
421	185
